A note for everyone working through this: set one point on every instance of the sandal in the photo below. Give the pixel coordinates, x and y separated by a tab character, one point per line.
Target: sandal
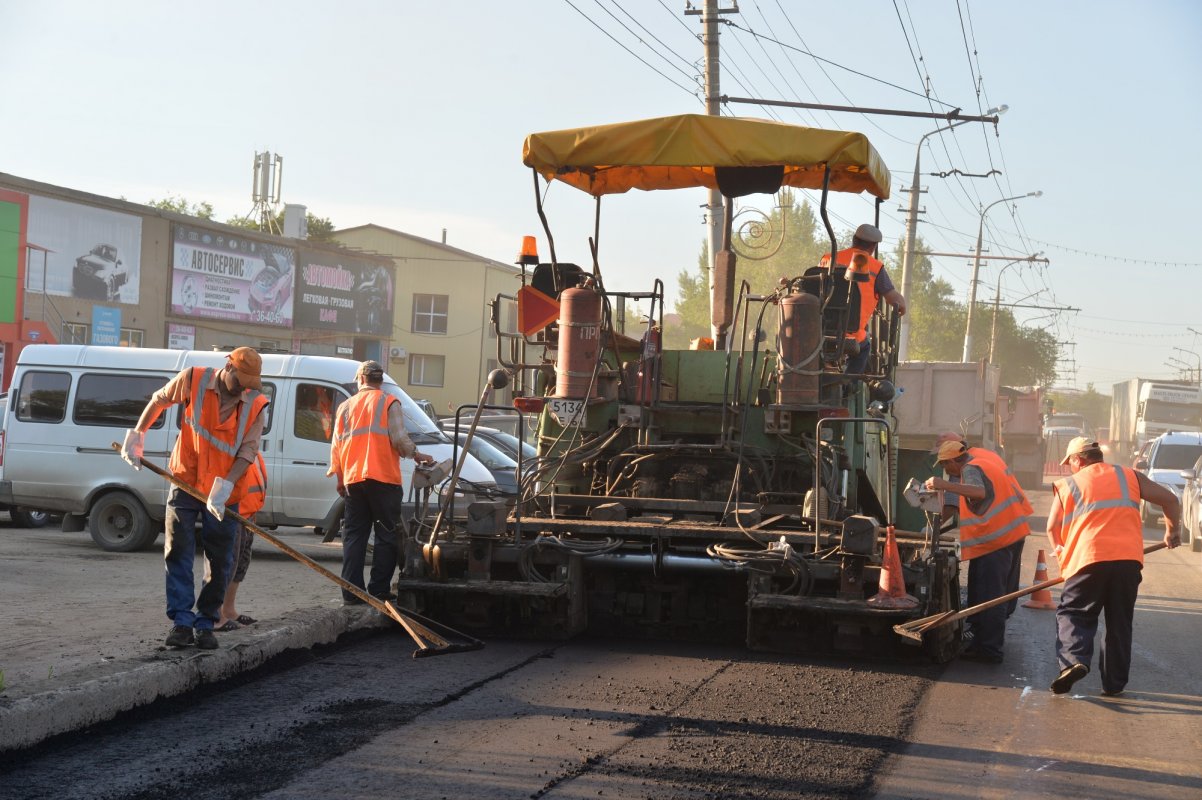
229	626
245	620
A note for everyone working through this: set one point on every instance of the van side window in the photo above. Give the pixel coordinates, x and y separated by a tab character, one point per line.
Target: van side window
315	406
43	397
115	400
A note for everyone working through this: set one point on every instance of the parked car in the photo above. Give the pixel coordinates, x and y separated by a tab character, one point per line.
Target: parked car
504	441
1191	507
1170	454
503	468
1142	456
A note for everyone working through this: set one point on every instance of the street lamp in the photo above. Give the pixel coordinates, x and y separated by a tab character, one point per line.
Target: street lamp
997	297
976	269
903	347
1197	379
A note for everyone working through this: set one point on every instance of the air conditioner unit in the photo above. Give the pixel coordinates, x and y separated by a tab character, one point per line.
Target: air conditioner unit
398	353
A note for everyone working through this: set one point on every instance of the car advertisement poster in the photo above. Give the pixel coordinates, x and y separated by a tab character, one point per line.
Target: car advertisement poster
223	276
342	293
91	253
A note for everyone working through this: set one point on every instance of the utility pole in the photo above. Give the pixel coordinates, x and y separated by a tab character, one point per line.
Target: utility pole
714	209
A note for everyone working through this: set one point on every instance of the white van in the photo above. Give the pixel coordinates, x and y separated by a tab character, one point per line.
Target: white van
69	403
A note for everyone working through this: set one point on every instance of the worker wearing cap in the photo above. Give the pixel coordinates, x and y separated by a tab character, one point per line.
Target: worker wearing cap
219	439
1097	537
993	526
982	455
868	275
365	457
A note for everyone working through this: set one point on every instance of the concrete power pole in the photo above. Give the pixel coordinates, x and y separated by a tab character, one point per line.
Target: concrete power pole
714	209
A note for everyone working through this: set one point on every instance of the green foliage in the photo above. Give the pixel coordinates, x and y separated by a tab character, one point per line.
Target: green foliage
693	305
321	229
181	205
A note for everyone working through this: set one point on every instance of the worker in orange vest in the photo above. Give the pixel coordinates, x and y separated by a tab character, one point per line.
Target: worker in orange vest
993	526
369	442
218	441
983	455
868	275
252	501
1097	538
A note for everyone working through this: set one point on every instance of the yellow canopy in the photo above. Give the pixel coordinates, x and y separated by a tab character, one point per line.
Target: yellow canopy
683	151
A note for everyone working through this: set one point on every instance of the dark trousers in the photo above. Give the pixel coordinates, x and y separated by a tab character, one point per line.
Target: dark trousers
370	502
179	551
1012	580
857	363
988	578
1108	587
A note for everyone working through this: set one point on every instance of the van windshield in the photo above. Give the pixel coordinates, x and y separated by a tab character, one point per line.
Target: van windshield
418	424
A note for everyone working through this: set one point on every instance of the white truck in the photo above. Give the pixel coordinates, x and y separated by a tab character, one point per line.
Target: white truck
1143	409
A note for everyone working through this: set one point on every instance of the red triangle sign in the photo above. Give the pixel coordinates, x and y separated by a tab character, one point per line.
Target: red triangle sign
535	310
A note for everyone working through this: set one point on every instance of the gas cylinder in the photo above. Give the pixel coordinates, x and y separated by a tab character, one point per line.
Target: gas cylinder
579	343
647	360
800	338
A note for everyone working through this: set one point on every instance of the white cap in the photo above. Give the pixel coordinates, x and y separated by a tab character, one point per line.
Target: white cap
868	233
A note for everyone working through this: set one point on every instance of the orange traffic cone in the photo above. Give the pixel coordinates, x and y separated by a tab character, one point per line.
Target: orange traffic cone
892	593
1042	598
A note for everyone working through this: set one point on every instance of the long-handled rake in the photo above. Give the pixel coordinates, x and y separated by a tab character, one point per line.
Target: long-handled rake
432	638
915	628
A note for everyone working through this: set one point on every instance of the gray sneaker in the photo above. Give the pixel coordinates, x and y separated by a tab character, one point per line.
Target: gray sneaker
180	636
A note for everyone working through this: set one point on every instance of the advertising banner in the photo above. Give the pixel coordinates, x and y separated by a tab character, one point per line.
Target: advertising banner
343	293
91	253
223	276
106	326
181	337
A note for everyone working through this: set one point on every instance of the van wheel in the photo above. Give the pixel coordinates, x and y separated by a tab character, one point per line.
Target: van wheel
29	517
119	524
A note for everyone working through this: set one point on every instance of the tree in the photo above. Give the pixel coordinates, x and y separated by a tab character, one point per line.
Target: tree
320	229
1091	403
180	205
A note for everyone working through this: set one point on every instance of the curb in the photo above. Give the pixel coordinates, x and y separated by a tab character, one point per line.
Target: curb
80	700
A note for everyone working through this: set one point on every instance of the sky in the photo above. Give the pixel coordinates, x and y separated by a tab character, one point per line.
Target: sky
413	115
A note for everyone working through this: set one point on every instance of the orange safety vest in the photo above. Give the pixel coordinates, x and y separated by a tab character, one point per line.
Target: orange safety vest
1002	524
361	436
1098	518
979	455
207	445
256	491
868	296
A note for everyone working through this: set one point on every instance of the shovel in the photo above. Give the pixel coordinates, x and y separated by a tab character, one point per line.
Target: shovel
432	638
915	628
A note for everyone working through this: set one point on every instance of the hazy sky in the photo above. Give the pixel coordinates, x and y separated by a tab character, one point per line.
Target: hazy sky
412	115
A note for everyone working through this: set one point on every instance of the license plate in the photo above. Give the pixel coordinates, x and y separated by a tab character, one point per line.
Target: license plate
567	412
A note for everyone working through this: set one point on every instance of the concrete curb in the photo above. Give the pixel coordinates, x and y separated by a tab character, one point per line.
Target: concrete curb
78	700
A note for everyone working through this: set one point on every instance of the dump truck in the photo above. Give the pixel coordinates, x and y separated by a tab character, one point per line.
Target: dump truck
1022	442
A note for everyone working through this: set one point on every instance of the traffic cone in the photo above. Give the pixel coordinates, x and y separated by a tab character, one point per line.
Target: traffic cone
892	593
1042	598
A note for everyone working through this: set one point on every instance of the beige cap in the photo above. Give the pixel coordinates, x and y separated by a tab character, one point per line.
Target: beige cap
950	451
248	366
1077	446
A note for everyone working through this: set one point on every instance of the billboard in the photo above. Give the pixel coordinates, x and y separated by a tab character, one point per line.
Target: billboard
223	276
91	253
106	326
338	292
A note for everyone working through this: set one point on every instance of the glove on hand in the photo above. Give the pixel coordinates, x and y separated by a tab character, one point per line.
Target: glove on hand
218	495
131	448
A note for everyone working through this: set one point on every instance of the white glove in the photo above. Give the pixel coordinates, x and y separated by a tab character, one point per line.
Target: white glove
131	448
218	495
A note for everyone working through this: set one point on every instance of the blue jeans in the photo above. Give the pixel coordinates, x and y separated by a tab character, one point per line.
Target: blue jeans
217	542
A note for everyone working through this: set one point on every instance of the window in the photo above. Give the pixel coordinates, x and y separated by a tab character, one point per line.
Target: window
75	333
132	337
43	397
430	314
115	400
426	370
315	405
